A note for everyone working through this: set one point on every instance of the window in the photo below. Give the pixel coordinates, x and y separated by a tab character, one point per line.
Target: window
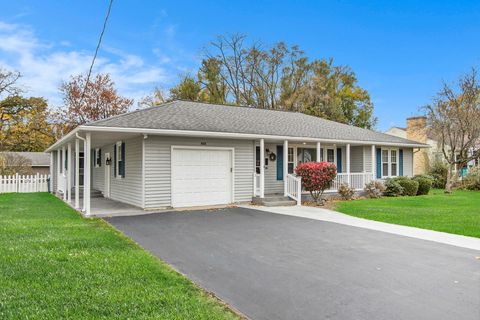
393	163
389	163
331	155
385	172
257	160
97	156
306	155
321	154
291	160
120	161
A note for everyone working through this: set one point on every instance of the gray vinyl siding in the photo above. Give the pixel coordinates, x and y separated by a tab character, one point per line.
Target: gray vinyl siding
367	158
129	188
98	174
158	167
408	162
356	159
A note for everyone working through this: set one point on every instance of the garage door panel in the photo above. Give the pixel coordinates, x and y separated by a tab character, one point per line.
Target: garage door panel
201	177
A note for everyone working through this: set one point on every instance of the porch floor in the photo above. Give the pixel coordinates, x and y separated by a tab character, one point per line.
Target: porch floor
103	207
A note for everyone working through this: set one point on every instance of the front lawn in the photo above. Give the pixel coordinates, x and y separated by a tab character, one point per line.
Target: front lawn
54	264
455	213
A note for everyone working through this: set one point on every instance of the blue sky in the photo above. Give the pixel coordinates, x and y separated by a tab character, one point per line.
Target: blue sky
401	51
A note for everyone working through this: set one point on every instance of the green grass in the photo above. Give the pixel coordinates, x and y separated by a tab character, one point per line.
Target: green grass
55	264
457	213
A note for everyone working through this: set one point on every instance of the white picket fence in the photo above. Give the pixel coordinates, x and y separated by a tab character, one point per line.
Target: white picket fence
24	183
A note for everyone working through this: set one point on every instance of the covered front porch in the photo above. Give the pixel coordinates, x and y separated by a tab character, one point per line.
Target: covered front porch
275	162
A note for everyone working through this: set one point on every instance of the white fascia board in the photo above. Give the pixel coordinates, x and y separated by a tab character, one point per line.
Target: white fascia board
209	134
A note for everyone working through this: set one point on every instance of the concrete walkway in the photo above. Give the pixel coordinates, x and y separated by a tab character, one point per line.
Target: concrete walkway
337	217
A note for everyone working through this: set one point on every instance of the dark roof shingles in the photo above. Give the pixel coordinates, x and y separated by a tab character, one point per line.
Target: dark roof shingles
194	116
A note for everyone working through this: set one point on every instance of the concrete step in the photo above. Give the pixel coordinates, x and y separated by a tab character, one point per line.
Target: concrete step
282	203
274	200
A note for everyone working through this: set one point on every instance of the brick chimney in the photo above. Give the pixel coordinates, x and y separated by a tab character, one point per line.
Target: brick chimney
417	131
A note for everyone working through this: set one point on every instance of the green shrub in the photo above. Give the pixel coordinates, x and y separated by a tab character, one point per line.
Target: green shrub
438	171
424	184
374	189
392	188
410	187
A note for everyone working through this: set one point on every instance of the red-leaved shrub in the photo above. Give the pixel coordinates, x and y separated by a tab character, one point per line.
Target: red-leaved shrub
316	177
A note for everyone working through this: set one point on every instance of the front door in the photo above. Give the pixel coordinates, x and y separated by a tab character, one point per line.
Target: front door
107	175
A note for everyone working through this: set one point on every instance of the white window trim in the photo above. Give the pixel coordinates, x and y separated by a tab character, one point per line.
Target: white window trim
389	162
119	154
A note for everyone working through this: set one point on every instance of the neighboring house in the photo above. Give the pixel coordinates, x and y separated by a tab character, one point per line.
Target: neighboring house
183	154
423	158
39	162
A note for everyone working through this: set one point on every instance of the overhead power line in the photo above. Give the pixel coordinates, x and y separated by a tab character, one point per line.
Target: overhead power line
96	51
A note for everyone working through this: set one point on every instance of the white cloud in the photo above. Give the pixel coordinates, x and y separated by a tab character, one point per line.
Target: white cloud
45	65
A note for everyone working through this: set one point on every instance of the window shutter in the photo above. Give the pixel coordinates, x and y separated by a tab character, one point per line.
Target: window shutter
66	160
339	160
379	163
279	162
400	162
93	151
114	160
123	160
99	157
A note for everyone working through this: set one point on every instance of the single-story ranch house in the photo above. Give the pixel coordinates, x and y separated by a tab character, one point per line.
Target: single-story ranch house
183	154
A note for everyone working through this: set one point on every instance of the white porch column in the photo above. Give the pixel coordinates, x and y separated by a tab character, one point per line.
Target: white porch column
87	173
262	168
285	166
77	173
318	152
59	163
69	173
374	161
347	156
51	171
64	154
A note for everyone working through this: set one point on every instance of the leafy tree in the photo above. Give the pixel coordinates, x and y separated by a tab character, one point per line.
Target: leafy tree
85	102
316	178
276	77
25	124
454	119
188	89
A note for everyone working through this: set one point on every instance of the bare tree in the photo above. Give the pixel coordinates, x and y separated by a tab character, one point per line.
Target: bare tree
8	83
454	119
152	100
12	163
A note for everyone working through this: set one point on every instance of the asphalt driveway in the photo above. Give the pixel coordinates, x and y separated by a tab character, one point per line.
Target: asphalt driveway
272	266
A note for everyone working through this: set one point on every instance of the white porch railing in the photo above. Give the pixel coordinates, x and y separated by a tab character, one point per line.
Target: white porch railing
355	180
294	188
24	183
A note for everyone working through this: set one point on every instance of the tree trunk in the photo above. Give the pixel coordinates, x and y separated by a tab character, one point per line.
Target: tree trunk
449	184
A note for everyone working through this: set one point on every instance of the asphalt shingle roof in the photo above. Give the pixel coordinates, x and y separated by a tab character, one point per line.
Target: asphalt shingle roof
195	116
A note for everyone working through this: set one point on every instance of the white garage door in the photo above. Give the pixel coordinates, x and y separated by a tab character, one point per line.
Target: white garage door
201	177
